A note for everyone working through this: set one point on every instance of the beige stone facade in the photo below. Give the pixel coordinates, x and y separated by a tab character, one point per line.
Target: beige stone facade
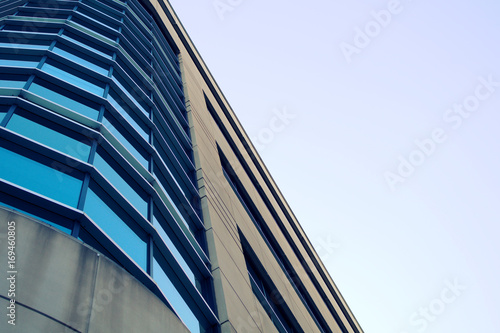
226	219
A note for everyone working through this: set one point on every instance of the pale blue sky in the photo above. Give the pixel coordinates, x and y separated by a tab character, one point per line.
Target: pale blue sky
390	251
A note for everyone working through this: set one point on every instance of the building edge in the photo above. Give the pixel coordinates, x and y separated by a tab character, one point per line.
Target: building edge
174	25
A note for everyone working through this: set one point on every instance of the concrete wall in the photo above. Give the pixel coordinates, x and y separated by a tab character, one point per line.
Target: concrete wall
63	285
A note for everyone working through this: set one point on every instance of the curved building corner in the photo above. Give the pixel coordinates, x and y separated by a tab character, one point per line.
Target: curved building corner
63	285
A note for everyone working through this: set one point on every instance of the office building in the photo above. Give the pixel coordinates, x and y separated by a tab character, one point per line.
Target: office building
134	198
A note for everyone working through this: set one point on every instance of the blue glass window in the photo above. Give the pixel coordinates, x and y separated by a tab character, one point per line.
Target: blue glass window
55	225
112	5
139	13
172	204
133	57
128	114
34	45
136	40
178	303
168	161
171	96
166	185
13	80
48	133
158	221
126	139
19	60
65	98
95	28
47	180
104	8
81	59
167	49
173	135
3	111
124	183
137	75
28	12
76	78
94	15
18	63
163	65
136	24
45	4
133	18
32	27
116	224
131	93
87	44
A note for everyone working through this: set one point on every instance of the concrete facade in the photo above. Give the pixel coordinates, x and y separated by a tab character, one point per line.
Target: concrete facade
62	285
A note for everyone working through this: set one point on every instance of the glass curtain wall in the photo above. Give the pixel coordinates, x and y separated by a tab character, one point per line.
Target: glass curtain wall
94	139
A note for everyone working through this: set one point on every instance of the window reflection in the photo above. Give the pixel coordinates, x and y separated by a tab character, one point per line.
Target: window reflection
64	98
12	80
94	28
126	89
24	46
19	60
78	79
125	139
116	224
158	223
87	44
167	287
115	100
52	180
35	27
104	8
3	111
48	133
92	16
66	229
80	58
121	181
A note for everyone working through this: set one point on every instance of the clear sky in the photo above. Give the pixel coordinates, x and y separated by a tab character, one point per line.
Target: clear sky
379	121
